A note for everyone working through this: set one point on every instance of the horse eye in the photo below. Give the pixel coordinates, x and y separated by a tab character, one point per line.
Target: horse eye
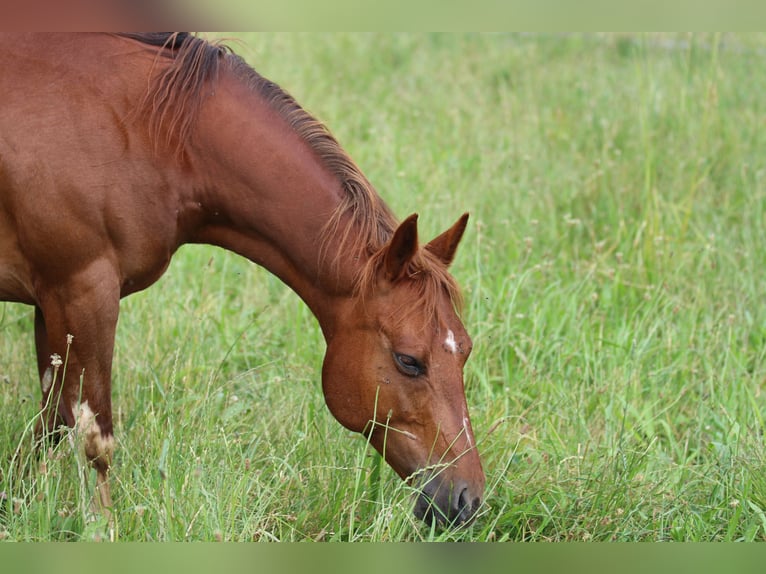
409	366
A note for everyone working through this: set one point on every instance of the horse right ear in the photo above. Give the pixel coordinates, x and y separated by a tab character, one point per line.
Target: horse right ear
445	245
401	249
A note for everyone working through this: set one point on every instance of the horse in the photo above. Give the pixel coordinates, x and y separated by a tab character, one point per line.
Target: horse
116	149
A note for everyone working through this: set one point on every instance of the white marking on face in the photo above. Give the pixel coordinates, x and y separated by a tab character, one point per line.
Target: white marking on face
47	380
449	343
467	430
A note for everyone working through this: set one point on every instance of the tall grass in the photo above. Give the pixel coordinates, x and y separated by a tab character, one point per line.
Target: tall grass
613	271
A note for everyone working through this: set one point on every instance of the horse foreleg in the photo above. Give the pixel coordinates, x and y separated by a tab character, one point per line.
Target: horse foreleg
75	325
46	367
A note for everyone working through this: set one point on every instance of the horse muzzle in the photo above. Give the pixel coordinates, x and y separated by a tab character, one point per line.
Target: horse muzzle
449	503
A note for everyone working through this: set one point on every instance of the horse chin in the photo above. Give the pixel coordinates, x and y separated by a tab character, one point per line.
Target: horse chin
448	503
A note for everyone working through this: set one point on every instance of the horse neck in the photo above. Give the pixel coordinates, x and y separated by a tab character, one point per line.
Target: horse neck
263	192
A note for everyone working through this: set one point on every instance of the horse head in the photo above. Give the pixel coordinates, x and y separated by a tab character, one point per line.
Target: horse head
394	371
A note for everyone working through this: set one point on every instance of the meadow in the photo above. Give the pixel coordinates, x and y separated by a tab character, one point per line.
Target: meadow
613	273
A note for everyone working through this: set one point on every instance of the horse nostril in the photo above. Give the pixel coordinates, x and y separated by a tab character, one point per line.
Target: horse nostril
467	506
462	500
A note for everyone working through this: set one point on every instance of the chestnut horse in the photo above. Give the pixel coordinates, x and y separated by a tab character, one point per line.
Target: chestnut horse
117	149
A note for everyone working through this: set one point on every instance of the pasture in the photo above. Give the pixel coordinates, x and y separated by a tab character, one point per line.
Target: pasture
613	273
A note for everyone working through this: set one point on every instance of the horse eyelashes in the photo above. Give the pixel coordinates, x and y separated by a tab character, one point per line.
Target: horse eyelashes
408	365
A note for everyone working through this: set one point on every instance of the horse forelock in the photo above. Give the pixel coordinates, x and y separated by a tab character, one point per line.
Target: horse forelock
427	278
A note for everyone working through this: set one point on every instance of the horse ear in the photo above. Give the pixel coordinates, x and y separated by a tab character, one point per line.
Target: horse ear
401	248
445	245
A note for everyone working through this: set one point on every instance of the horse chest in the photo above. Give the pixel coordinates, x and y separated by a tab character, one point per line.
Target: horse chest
14	285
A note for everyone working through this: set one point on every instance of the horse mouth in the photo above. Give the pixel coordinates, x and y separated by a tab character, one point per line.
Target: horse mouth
447	504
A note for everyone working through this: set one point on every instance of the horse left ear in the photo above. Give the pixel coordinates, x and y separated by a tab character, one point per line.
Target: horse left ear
402	248
445	245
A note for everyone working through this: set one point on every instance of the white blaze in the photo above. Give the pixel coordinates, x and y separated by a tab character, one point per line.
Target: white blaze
467	431
449	343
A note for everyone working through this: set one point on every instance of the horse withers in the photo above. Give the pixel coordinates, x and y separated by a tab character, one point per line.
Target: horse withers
117	149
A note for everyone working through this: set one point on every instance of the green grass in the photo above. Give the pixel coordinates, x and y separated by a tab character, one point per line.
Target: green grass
613	271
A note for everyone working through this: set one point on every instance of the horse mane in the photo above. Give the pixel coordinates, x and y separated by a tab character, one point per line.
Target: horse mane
174	98
374	221
176	94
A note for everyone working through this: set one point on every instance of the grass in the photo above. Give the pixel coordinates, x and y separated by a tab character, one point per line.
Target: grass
613	272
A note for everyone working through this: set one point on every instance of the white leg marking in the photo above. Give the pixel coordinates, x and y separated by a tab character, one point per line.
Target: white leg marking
47	380
449	343
96	445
